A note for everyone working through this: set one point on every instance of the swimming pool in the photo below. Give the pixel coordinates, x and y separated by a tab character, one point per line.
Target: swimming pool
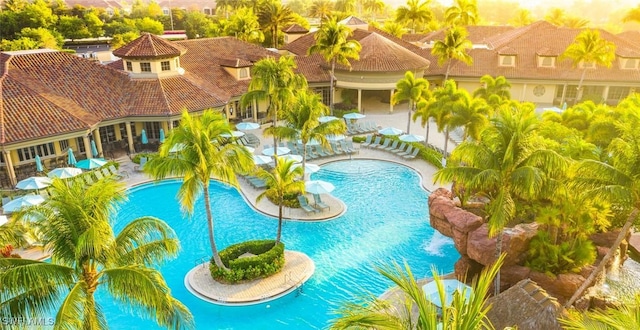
386	220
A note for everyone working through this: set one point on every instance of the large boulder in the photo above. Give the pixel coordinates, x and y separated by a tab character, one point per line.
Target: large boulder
515	243
438	208
510	275
562	286
466	267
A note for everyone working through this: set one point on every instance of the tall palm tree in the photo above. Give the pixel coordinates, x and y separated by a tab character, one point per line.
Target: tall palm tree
86	256
425	112
244	26
281	181
414	13
617	182
413	90
453	47
332	42
273	16
302	123
470	113
589	49
504	165
416	311
523	17
442	108
373	7
204	154
274	81
346	6
321	9
494	90
462	12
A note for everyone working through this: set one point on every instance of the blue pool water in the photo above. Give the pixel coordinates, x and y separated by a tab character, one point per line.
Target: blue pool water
386	220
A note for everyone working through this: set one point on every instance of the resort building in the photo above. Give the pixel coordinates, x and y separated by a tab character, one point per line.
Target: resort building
53	101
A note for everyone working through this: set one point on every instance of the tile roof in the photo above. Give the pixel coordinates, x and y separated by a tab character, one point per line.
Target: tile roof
235	63
477	34
295	28
149	46
352	20
93	3
632	36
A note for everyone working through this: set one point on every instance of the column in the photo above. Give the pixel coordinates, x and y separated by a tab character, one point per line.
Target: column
127	126
605	94
564	94
226	111
10	170
391	103
87	146
169	125
359	100
254	110
524	92
96	137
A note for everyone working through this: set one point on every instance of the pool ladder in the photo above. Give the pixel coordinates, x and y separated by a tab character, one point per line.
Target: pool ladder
201	261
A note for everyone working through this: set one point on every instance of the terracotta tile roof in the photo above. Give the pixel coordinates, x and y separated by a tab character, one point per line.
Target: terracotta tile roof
546	51
352	20
295	28
313	68
380	54
188	4
149	46
477	34
632	36
93	3
235	63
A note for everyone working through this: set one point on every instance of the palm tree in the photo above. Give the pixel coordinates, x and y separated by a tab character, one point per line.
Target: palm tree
393	28
442	108
87	256
632	15
616	182
414	13
623	317
416	311
321	9
453	47
244	26
413	90
346	6
494	90
555	16
504	165
332	42
523	17
273	16
302	123
373	7
424	111
204	155
282	181
589	49
470	113
463	12
276	82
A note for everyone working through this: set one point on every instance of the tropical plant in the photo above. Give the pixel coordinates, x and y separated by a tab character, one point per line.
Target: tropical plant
441	109
244	26
273	16
625	316
415	13
632	15
321	9
425	112
462	12
282	181
275	82
505	165
86	256
302	123
470	113
494	90
373	7
589	49
413	90
416	311
332	42
393	28
522	18
204	154
453	47
346	6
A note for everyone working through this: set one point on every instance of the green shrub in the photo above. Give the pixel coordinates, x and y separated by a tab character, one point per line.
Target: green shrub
114	163
359	139
290	200
568	256
268	260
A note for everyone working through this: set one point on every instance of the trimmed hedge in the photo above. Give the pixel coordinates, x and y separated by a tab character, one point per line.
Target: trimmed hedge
268	260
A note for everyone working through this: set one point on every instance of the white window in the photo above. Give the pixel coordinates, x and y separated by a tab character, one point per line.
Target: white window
165	11
629	63
145	67
244	73
546	61
507	60
165	65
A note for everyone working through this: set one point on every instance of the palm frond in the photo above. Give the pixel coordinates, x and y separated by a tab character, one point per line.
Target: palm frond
147	240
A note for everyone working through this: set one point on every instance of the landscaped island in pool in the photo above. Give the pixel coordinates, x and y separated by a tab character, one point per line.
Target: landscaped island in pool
386	220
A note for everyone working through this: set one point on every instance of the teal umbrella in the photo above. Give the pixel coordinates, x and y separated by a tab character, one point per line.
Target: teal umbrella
38	164
94	149
161	135
143	137
91	163
71	158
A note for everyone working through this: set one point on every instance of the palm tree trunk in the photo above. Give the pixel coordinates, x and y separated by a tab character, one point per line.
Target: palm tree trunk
605	260
275	137
446	75
304	160
279	234
212	240
446	144
426	137
89	277
498	253
409	116
331	91
579	91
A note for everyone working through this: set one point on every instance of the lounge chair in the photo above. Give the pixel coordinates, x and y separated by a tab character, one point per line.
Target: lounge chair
140	168
367	141
328	151
320	152
292	147
392	146
400	148
305	206
312	154
318	202
117	174
412	155
375	142
87	179
408	151
384	145
98	175
335	148
353	149
345	148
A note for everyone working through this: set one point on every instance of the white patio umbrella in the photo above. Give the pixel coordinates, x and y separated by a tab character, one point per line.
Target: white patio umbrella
318	187
308	167
333	138
272	151
325	119
261	160
247	126
64	172
3	219
294	158
235	134
411	138
450	286
390	131
34	182
24	201
353	115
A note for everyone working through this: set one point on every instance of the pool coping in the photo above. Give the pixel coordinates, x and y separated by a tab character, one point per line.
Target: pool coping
297	270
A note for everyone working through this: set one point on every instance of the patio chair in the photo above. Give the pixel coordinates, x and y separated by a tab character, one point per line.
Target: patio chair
384	145
367	141
352	130
392	146
118	174
412	155
98	175
407	152
311	153
140	168
292	147
375	142
335	148
318	202
329	151
346	148
305	206
87	179
353	149
319	151
400	148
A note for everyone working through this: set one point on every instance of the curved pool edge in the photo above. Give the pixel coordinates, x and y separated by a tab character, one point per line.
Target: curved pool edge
297	270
